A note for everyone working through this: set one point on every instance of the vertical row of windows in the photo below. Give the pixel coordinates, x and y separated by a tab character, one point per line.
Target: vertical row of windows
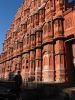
38	17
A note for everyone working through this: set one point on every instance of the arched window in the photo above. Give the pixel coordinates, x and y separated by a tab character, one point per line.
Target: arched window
26	61
45	28
49	26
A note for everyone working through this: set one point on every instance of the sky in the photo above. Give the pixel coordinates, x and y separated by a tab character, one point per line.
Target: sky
8	9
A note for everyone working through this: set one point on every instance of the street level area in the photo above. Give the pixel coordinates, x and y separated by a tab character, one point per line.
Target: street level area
38	92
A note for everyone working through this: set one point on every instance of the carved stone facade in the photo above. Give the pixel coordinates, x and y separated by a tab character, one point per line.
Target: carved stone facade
41	42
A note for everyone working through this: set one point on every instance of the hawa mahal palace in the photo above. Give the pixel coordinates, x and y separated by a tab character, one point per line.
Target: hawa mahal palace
41	42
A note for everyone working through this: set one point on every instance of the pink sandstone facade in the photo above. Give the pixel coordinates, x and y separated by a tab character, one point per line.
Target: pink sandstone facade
41	42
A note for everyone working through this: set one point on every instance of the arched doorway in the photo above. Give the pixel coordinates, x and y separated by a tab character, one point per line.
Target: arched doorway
70	59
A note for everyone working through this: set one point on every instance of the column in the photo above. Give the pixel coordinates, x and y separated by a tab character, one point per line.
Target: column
32	66
59	61
38	68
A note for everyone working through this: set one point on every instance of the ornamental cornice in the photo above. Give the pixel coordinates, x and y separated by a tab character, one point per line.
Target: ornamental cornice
58	17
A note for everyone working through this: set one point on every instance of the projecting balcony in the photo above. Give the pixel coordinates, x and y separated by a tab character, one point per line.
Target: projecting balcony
20	47
10	55
60	51
38	40
23	21
38	44
32	45
48	38
15	29
1	60
19	51
26	47
14	52
58	34
58	27
24	25
4	57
